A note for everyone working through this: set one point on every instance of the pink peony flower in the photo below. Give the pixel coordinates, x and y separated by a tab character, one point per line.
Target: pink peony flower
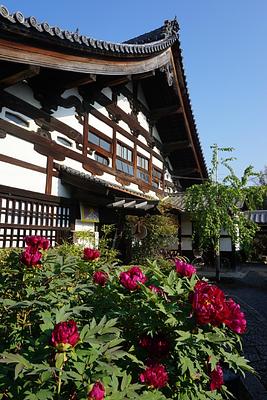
131	278
155	376
30	256
156	290
90	254
184	269
209	304
216	378
37	242
97	392
65	335
236	320
100	278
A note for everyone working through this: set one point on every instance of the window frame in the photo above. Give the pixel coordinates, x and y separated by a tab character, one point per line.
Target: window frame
125	160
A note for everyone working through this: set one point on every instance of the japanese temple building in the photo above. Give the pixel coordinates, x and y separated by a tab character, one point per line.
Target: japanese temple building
90	128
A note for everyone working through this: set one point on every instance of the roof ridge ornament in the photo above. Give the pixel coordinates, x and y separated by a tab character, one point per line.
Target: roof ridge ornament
171	27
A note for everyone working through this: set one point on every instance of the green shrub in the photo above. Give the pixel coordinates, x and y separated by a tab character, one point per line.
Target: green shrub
126	326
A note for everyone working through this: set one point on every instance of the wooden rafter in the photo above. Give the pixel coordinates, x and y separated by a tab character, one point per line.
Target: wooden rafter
171	147
19	76
158	113
84	80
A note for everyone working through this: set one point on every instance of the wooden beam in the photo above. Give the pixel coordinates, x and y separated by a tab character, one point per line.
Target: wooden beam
17	77
84	80
171	147
145	75
158	113
185	172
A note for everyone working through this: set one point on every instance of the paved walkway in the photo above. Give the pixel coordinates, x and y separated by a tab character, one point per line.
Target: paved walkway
248	287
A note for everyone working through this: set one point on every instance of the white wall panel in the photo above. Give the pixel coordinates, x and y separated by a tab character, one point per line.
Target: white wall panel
101	126
143	151
143	121
67	115
124	140
58	189
24	92
157	162
22	178
22	150
124	104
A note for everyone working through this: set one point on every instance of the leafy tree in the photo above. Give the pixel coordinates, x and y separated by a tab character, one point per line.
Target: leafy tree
215	206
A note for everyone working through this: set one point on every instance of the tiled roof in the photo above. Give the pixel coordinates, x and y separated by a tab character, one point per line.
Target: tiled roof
157	41
102	182
175	201
258	216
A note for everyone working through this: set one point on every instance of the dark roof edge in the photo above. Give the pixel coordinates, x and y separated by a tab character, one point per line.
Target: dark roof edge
157	40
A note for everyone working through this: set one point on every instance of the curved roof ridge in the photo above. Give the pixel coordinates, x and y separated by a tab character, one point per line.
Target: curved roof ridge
167	35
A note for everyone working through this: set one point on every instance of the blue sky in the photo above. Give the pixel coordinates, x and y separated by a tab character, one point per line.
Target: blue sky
225	58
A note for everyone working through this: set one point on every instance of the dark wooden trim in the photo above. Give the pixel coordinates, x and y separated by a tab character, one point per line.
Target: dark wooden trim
49	175
187	125
128	135
129	119
19	76
21	163
85	121
39	116
83	80
25	53
170	147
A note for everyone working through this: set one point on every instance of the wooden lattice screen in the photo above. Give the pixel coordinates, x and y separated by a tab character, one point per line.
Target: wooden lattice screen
22	216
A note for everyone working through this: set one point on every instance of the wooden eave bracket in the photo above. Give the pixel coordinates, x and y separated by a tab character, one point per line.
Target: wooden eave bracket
17	77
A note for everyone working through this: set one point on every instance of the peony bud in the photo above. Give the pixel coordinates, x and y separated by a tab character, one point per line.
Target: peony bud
65	335
100	278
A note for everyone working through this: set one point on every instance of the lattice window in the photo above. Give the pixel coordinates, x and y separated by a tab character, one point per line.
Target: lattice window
21	217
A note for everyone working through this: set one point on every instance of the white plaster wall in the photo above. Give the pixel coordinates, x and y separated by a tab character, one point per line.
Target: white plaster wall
22	150
109	178
56	134
124	140
143	121
124	126
155	134
142	139
24	92
124	104
58	189
143	151
100	125
67	115
32	126
22	178
72	92
157	162
83	227
107	92
69	162
101	109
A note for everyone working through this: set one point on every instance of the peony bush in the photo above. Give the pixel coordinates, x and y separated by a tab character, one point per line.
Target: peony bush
76	326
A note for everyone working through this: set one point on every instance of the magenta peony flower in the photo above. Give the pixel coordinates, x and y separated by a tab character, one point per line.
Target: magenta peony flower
90	254
131	278
155	376
65	335
209	304
216	378
100	278
236	320
37	242
184	269
30	256
97	392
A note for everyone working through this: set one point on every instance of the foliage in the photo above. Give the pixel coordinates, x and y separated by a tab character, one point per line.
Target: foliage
161	232
216	206
111	321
